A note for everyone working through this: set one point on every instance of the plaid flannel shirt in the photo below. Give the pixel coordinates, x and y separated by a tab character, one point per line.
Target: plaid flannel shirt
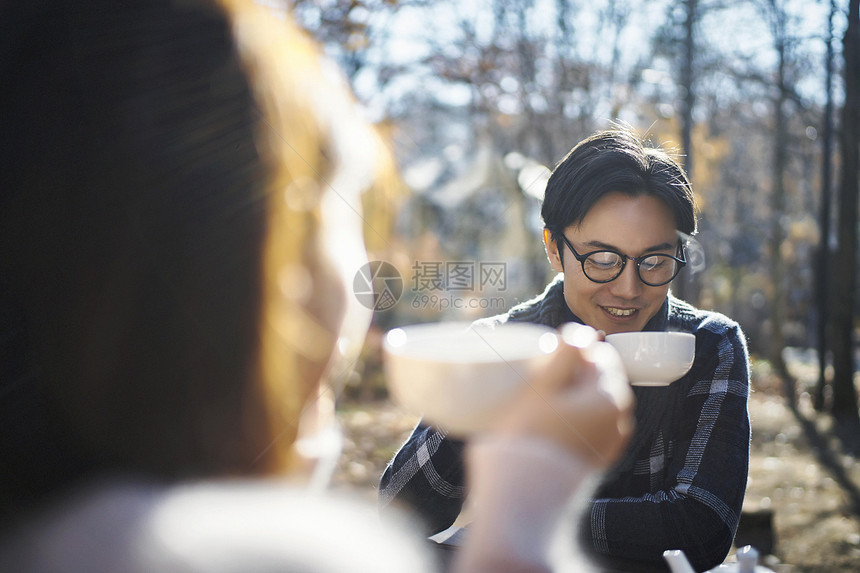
685	486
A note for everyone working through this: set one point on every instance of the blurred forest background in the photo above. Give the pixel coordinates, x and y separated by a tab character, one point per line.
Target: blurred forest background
758	98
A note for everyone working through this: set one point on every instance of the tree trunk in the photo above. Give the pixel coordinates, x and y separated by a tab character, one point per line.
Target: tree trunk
844	393
687	84
685	285
777	232
822	284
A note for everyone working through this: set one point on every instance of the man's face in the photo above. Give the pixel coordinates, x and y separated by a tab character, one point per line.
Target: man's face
632	226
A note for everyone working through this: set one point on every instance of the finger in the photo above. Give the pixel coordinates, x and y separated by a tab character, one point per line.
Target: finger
570	367
613	380
562	370
578	335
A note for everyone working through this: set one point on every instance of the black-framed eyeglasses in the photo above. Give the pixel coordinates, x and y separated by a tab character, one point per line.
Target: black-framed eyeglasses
605	266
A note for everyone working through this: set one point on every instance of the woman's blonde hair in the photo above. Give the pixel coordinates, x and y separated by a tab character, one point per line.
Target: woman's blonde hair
316	144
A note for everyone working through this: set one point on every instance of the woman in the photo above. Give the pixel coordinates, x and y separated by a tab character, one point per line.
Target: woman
178	221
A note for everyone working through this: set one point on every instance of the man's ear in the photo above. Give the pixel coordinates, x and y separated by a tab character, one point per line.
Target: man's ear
552	254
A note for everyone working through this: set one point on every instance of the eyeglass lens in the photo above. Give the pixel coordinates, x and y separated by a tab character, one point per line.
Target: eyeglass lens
604	266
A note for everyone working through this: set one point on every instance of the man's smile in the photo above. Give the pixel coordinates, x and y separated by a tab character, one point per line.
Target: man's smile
620	312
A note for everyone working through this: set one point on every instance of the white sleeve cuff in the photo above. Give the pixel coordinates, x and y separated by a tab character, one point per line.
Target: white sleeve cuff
523	491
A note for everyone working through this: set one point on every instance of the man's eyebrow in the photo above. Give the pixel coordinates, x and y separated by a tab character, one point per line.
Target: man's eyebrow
600	245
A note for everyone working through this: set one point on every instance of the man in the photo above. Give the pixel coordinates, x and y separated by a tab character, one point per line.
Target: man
615	213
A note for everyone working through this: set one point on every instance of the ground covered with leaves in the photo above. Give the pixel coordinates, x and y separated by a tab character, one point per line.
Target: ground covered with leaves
803	494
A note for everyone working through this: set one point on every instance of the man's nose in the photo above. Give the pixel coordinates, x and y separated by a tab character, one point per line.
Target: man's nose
628	284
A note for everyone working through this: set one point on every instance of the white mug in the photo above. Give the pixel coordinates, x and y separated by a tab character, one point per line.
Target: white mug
654	358
459	376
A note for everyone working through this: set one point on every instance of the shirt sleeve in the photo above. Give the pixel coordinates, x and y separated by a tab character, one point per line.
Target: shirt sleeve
697	507
524	492
427	478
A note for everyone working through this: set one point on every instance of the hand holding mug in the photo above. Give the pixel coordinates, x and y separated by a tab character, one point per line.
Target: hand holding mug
580	400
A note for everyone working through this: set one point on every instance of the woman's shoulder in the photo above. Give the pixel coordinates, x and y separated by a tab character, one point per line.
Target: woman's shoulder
214	526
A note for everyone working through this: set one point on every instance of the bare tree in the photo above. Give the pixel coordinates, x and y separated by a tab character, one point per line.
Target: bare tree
822	284
686	288
687	81
344	27
780	152
844	393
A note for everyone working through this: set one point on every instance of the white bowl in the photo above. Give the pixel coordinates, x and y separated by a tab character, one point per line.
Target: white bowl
459	376
654	358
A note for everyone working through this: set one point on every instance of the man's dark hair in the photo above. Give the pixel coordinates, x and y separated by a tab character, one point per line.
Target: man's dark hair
615	160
